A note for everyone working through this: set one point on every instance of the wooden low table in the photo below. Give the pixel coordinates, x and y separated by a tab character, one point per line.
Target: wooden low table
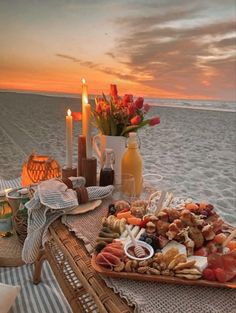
82	286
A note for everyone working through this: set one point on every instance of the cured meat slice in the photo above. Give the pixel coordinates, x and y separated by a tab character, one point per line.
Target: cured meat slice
215	261
224	266
102	260
229	265
107	259
115	251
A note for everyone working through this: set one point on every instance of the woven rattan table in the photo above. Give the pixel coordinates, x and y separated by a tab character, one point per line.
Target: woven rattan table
82	286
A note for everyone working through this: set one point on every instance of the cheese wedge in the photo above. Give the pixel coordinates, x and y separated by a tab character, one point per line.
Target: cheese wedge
201	262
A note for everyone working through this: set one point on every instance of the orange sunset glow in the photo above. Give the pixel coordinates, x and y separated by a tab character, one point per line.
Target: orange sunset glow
162	49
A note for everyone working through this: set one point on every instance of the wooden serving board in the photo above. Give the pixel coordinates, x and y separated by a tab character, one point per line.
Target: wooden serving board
160	278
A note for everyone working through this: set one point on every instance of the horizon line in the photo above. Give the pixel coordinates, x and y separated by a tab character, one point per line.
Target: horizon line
61	94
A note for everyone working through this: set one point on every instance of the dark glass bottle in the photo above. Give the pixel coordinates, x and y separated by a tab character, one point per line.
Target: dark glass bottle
107	171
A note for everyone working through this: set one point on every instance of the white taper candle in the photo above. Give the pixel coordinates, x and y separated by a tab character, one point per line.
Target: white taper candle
69	125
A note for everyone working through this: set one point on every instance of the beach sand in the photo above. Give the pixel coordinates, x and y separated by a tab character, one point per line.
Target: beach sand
194	150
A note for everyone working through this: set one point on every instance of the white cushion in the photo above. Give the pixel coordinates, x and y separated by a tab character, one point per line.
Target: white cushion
8	295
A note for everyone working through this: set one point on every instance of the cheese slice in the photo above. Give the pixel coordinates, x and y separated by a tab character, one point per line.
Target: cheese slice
174	244
135	230
125	233
142	231
201	261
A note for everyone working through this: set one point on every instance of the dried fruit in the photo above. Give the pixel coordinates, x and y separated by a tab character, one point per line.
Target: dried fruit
220	238
231	245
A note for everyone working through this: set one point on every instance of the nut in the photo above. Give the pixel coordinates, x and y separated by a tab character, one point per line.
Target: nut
143	269
165	272
154	271
119	268
156	265
128	266
143	263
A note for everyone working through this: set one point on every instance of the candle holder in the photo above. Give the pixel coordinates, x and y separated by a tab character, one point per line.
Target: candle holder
68	172
89	171
81	153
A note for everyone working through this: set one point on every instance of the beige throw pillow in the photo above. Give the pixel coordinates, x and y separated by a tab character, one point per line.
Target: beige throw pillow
8	295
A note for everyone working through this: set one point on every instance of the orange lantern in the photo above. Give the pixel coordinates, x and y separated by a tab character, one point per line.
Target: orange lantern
38	168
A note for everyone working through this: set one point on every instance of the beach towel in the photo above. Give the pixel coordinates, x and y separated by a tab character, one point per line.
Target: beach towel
51	200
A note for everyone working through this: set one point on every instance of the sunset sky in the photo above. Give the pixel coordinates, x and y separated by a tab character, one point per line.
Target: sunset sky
155	48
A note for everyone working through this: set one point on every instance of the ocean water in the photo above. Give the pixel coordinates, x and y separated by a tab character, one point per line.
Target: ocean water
215	105
228	106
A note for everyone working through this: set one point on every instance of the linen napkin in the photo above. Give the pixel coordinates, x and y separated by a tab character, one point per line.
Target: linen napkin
51	200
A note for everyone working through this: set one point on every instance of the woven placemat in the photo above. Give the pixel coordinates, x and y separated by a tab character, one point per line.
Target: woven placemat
10	251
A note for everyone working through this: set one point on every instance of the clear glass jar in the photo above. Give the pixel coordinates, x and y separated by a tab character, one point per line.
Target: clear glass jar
6	229
23	211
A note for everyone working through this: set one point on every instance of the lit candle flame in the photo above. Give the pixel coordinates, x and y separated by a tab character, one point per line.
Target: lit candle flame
69	112
85	100
83	81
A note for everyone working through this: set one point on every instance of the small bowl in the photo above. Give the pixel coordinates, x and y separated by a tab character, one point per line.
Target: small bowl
143	244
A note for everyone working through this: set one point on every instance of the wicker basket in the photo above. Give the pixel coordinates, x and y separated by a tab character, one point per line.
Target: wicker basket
20	226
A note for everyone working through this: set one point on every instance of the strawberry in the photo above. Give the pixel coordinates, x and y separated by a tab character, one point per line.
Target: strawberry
203	251
220	274
208	274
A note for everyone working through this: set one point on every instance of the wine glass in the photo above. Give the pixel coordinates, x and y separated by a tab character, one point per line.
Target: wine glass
126	189
151	183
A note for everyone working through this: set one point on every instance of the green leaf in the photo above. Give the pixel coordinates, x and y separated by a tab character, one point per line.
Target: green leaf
113	126
133	128
105	98
106	126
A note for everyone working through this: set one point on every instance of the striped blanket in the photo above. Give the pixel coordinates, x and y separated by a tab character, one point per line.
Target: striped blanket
45	297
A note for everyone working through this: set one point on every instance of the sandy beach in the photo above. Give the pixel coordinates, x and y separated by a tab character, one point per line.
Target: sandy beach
194	150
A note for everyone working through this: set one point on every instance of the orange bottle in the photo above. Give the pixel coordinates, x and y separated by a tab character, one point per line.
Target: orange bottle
132	163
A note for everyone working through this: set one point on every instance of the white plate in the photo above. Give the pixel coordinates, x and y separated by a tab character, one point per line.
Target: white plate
86	207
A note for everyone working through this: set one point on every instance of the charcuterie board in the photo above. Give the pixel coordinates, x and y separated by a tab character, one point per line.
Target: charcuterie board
181	242
160	279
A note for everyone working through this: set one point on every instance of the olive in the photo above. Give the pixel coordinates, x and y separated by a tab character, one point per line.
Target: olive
111	209
149	240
